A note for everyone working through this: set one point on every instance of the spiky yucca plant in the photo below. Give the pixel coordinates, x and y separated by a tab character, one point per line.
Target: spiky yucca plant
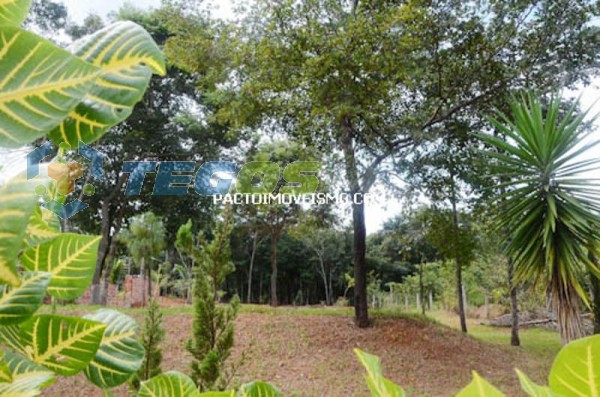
549	208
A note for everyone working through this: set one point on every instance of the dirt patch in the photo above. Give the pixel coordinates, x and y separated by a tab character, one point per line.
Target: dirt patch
312	356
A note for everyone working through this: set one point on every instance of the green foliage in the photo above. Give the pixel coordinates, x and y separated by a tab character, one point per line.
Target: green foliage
145	237
170	384
69	258
42	85
175	384
152	336
576	370
61	82
14	12
379	386
533	389
258	389
120	353
119	50
479	387
212	332
17	205
550	209
64	345
18	304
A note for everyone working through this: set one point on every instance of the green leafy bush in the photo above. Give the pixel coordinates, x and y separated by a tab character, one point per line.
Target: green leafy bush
72	98
152	336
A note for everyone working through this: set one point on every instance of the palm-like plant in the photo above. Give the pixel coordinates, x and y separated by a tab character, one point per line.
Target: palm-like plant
547	207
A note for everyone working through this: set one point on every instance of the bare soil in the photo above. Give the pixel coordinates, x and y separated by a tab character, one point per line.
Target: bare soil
312	355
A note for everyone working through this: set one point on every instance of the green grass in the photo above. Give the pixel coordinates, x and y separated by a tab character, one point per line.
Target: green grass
542	343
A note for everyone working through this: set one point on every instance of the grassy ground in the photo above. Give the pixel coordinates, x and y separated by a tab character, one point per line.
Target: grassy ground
308	351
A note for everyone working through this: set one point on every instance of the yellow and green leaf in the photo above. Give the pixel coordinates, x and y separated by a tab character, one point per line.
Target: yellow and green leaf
18	304
532	389
127	56
40	84
13	12
576	370
259	389
169	384
120	353
43	225
378	385
28	378
479	387
70	258
17	203
64	345
5	373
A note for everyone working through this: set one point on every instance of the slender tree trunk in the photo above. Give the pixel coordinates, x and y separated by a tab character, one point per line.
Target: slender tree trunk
361	305
150	292
252	257
106	241
111	255
143	274
459	266
515	340
595	283
331	288
104	246
421	288
430	300
323	276
274	301
260	289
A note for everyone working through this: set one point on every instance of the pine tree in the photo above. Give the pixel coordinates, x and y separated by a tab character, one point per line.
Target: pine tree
213	324
152	336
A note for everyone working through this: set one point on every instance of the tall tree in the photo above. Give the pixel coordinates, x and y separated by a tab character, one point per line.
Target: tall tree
212	332
273	219
145	240
369	78
169	124
550	208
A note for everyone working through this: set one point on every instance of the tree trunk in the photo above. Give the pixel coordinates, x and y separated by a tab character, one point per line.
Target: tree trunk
150	292
104	246
361	305
459	266
514	308
111	255
421	289
143	274
430	300
274	301
252	257
565	302
595	282
324	278
106	241
331	288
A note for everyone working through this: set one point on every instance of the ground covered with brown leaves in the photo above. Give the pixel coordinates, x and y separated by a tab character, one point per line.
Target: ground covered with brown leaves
312	355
